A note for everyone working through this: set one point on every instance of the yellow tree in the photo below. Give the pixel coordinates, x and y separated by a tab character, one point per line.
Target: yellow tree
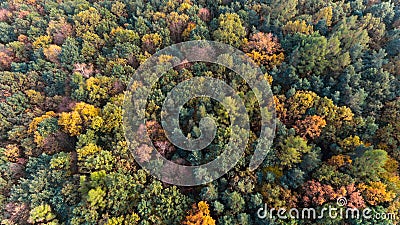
264	49
119	9
300	102
99	89
41	42
33	126
230	30
376	193
350	143
297	27
324	14
131	219
86	21
82	116
199	215
52	52
339	160
150	42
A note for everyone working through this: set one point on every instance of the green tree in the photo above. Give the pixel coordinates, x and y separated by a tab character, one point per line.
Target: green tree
291	151
370	166
230	30
42	214
70	53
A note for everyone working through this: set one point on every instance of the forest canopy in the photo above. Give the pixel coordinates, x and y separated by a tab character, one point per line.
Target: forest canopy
333	67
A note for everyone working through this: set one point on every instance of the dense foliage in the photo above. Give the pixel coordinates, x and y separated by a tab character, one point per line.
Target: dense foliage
334	68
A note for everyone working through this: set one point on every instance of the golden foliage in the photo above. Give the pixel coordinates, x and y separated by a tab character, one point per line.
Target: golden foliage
376	193
298	27
82	115
35	97
38	138
86	111
300	102
280	107
71	122
12	152
186	33
278	197
41	42
339	160
131	219
90	149
99	88
52	52
350	143
151	42
264	49
119	8
324	14
165	58
86	21
35	122
185	6
199	215
158	15
261	59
